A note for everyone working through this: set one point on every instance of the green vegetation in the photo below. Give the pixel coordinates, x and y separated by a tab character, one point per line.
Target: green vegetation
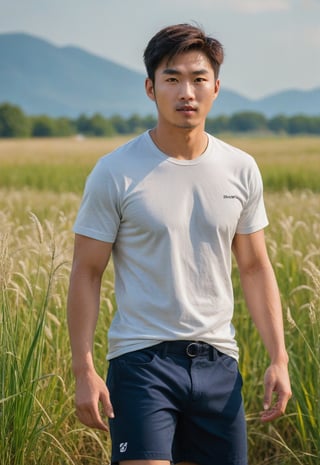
61	165
14	123
37	420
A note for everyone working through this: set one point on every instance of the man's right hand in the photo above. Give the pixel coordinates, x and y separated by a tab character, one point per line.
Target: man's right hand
92	393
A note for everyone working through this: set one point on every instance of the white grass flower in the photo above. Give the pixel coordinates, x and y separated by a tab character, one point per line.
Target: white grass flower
38	226
290	319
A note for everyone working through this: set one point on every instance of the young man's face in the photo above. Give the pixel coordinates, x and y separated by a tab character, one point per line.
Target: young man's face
184	89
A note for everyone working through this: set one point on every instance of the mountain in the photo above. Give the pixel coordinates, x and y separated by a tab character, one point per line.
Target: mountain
290	102
42	78
66	81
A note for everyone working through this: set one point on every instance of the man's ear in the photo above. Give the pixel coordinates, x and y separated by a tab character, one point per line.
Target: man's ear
216	88
150	89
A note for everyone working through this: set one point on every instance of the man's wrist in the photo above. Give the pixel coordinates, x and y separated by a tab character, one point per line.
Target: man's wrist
279	359
82	369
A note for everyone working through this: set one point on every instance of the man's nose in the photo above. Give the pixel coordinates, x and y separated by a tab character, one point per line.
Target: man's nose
186	91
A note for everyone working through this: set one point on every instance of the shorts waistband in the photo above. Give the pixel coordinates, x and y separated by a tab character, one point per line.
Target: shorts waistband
190	349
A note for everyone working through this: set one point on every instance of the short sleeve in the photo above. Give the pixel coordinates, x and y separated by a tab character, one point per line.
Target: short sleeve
254	216
99	213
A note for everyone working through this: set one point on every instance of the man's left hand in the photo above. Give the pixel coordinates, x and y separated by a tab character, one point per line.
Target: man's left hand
276	380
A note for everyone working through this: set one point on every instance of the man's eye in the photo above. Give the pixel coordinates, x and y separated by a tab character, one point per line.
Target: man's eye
200	79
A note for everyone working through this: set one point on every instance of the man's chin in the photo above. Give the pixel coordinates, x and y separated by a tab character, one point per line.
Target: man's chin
187	125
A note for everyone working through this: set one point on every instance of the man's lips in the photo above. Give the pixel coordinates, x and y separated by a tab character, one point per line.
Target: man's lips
186	108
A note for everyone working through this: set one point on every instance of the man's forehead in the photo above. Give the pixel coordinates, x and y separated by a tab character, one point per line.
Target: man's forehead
195	59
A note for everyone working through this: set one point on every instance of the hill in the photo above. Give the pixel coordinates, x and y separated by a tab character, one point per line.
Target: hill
66	81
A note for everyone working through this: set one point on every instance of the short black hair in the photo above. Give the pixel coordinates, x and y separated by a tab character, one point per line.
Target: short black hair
173	40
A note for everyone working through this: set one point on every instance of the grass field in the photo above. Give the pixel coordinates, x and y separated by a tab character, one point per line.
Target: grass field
49	164
41	183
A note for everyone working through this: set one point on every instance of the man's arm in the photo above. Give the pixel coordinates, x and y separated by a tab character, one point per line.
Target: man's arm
263	301
89	262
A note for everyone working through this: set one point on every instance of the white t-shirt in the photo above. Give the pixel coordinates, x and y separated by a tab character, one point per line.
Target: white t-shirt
172	223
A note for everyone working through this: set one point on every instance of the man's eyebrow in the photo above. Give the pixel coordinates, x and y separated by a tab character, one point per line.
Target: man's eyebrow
173	71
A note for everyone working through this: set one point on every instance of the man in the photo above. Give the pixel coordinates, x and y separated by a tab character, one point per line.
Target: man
170	206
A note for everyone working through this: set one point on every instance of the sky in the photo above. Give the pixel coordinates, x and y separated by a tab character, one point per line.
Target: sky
270	45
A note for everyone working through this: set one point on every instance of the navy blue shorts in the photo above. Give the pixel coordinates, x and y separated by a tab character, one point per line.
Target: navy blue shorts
177	401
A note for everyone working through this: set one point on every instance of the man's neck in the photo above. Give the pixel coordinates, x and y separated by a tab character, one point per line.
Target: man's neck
180	143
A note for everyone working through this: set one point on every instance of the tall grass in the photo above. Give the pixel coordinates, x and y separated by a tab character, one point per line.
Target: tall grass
294	245
37	418
37	421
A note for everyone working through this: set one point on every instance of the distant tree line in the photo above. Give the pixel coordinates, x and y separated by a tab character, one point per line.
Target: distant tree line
15	123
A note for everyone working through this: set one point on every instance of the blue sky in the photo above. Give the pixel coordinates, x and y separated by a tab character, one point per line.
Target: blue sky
270	45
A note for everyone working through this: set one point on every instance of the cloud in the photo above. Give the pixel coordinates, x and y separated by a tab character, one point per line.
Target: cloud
260	6
248	6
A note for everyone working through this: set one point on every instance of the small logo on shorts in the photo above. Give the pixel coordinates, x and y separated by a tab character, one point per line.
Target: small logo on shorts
123	446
